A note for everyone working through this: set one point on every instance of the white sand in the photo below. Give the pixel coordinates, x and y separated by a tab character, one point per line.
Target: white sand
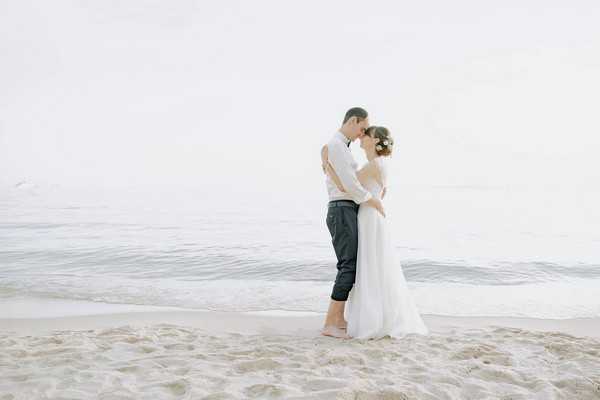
176	354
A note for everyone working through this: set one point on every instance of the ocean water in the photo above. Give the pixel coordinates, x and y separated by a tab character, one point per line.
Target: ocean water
490	251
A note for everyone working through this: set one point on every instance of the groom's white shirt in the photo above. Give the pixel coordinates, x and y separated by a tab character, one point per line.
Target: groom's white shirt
345	167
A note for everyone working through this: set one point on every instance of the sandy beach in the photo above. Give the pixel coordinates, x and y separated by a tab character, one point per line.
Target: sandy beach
147	353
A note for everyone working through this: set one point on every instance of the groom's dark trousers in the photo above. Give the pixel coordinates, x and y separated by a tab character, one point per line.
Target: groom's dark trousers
343	227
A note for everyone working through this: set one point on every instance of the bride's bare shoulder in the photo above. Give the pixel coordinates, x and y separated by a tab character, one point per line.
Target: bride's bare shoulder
376	168
368	171
374	165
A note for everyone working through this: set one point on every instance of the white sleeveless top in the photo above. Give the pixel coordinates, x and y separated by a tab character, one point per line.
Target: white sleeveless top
374	187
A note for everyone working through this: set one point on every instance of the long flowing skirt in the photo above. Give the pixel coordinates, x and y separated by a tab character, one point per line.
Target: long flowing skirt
380	303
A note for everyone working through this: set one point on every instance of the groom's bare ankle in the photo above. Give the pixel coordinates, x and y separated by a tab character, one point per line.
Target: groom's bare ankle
334	331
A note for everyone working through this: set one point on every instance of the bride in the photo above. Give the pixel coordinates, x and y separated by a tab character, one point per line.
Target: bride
380	303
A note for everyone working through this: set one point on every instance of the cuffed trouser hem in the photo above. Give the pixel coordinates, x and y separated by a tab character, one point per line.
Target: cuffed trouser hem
340	295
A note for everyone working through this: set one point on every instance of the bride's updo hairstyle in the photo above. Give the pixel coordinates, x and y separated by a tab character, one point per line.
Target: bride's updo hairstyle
386	142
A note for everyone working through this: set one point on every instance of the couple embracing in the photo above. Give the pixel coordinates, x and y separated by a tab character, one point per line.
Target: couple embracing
370	297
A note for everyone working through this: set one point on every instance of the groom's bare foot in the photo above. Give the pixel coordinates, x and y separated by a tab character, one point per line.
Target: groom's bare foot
335	332
343	325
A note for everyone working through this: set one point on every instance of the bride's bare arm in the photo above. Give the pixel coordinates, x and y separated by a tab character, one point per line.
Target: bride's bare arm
328	169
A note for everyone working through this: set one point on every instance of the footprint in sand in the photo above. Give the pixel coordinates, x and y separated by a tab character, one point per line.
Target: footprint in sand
379	395
257	365
324	384
129	369
264	391
146	349
218	396
180	346
175	388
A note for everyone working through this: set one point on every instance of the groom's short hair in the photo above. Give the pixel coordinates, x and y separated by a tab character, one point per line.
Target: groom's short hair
359	113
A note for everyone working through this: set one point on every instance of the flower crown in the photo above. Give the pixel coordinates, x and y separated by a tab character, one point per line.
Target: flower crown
385	144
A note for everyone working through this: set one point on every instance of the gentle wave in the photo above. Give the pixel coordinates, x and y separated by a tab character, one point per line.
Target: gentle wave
497	272
574	298
193	261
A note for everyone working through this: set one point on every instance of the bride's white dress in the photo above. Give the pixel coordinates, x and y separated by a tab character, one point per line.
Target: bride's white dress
380	303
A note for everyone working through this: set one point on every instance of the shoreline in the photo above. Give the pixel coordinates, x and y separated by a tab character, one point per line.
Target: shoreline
27	316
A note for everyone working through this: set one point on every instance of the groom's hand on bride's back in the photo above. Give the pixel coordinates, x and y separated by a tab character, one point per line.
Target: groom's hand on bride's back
377	204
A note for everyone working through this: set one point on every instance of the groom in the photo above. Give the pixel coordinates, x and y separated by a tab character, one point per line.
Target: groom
342	213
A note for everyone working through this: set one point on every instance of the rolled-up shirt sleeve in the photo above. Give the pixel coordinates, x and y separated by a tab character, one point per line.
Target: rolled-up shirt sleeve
341	161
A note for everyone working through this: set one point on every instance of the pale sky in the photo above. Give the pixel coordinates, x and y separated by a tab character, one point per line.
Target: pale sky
243	93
